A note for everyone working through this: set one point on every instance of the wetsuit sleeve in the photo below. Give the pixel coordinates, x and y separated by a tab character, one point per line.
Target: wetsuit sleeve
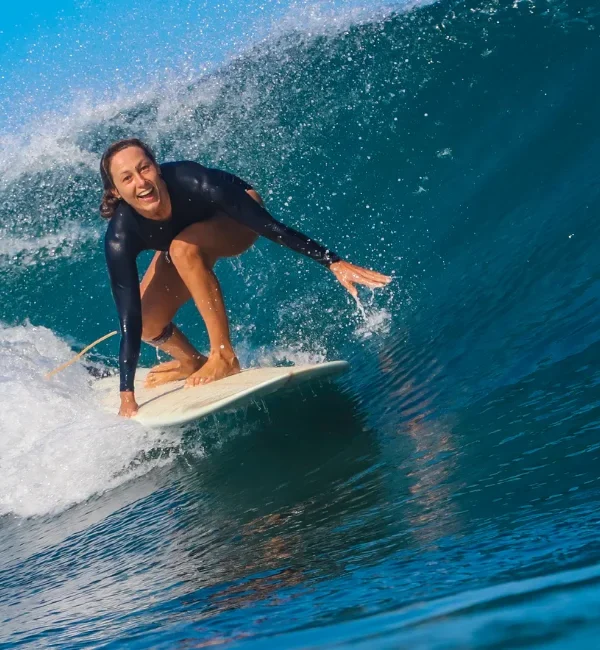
121	253
233	199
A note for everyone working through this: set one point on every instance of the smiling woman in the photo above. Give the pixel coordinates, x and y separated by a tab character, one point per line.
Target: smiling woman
191	216
123	175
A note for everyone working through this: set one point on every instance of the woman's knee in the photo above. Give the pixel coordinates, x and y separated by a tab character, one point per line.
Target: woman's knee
185	254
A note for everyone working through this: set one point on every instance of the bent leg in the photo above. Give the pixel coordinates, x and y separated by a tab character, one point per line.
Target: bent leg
163	293
194	252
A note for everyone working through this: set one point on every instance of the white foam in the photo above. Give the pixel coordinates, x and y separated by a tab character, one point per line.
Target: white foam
57	447
297	354
328	18
373	320
45	145
50	142
30	250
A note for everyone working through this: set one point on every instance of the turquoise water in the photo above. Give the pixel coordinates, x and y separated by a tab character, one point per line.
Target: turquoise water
443	494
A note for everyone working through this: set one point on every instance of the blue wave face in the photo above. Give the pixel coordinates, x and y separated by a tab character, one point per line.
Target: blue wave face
442	495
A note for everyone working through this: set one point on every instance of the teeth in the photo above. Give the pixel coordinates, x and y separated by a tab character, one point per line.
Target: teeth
142	194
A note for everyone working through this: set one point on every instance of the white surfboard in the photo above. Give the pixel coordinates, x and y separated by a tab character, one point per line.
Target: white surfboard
173	403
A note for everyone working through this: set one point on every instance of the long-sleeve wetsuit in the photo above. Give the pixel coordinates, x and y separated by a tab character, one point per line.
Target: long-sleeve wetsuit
197	194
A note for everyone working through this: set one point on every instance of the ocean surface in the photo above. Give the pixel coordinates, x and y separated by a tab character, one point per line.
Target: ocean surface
443	494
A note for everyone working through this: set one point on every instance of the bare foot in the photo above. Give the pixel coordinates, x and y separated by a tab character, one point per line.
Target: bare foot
217	367
172	371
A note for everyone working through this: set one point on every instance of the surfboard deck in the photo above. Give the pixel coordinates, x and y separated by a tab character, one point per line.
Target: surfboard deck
174	404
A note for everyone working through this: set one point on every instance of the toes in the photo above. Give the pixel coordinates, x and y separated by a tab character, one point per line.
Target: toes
198	381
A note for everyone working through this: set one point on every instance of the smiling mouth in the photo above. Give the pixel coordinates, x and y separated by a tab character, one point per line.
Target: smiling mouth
147	195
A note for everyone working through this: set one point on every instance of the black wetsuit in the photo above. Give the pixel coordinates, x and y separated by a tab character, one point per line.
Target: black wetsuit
197	193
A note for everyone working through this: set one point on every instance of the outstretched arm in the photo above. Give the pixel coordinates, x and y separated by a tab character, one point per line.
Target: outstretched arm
236	202
245	209
122	269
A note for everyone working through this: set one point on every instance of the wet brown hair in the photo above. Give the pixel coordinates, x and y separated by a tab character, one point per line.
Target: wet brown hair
109	200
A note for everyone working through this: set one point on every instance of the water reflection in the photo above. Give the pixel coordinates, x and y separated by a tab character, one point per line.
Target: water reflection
420	441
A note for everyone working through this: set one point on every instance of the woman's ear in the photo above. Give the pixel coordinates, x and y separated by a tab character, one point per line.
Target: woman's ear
116	194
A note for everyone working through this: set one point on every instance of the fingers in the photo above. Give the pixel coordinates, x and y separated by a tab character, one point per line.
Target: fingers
198	381
368	280
349	287
371	276
379	277
349	274
358	274
373	284
369	272
128	413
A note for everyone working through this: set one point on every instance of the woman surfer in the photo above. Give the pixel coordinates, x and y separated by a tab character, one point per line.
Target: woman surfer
191	216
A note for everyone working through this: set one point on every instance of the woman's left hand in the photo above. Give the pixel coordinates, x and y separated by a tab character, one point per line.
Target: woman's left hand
349	274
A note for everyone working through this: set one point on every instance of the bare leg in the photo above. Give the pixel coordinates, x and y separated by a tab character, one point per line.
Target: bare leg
163	293
194	253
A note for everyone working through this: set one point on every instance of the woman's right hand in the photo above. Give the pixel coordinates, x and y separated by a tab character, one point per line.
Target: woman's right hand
350	274
129	406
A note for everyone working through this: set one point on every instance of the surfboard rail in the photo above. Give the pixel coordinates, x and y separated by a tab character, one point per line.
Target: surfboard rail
175	404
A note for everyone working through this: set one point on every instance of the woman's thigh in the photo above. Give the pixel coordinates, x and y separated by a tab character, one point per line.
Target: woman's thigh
163	293
217	237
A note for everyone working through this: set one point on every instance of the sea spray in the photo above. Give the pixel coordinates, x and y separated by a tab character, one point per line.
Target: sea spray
57	446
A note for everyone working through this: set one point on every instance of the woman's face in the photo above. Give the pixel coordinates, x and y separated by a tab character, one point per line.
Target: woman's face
138	182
